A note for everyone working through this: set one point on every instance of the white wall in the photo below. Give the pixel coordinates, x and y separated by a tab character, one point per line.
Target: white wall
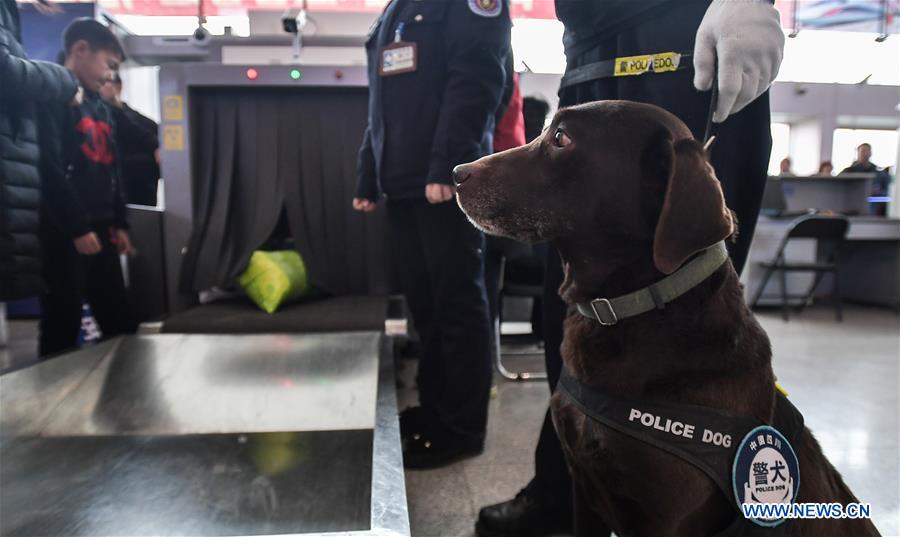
544	86
140	89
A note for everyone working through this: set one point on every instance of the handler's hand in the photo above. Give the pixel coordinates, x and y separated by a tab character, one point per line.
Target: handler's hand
364	205
438	193
88	244
746	37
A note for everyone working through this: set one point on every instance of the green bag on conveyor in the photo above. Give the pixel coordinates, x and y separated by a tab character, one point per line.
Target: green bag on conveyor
274	278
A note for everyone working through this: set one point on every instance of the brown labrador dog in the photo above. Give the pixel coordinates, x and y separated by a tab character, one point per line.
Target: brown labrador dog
627	196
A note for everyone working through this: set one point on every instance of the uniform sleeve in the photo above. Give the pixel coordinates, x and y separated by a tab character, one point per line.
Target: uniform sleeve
120	218
33	80
367	183
61	201
476	50
136	131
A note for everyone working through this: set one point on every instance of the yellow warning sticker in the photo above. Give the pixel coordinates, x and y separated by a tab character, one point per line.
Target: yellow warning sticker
173	108
173	137
638	65
666	61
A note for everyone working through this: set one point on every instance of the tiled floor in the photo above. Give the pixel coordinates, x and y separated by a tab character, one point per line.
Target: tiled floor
844	377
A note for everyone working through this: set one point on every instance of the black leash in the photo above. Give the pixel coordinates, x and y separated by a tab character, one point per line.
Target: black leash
709	136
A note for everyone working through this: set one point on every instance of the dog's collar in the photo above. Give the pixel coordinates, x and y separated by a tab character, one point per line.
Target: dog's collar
609	311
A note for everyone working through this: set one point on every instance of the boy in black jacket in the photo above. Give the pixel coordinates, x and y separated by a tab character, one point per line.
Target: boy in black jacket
85	228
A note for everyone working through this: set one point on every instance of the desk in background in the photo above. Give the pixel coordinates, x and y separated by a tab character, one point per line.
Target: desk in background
869	262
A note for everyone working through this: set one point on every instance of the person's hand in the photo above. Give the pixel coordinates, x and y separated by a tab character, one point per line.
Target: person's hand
123	242
88	244
78	98
363	205
438	193
746	38
156	156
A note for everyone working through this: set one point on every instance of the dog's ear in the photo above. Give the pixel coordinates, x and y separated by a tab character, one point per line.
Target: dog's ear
694	215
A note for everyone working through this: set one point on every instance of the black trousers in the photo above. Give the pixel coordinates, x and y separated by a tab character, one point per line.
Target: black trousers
72	279
740	156
439	261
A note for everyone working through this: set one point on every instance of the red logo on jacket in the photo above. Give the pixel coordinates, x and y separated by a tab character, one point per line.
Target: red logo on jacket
96	144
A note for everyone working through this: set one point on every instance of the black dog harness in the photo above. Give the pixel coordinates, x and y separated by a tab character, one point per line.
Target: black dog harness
749	461
707	438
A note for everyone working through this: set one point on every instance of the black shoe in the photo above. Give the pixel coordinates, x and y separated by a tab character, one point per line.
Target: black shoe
412	419
433	446
523	516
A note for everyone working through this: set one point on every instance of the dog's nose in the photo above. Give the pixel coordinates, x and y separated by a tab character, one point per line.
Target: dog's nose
461	174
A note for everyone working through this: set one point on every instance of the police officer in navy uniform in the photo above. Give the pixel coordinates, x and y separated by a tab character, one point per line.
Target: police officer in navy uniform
736	44
437	71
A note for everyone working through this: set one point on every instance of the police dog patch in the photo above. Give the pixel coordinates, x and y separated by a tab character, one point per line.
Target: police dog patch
765	470
485	8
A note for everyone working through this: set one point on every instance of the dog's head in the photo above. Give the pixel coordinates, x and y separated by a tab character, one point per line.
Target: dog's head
607	173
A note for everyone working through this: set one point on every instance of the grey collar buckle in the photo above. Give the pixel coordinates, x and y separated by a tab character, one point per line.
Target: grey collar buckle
608	317
609	311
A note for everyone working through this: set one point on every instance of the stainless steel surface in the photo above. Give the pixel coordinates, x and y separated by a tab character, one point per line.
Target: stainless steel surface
82	453
28	397
231	484
194	384
389	509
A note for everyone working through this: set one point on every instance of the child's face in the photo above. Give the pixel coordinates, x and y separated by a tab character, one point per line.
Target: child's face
93	67
111	91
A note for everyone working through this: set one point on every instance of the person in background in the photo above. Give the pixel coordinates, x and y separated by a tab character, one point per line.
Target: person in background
85	229
138	143
862	164
509	133
24	85
747	39
881	182
784	167
535	111
437	73
510	130
825	168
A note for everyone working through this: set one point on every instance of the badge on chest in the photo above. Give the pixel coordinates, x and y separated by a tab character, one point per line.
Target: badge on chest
399	57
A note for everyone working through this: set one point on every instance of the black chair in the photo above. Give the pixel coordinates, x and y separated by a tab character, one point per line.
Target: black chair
829	233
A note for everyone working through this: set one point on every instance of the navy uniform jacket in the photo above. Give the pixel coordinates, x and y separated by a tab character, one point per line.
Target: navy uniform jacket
423	123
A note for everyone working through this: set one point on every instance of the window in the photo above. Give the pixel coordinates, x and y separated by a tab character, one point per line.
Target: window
781	146
883	142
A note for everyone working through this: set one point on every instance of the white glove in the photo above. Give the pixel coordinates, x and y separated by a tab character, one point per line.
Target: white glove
746	37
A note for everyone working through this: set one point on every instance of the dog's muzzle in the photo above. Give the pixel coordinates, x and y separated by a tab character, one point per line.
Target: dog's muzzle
461	174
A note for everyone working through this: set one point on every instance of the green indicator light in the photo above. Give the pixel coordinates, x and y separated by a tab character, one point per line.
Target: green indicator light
295	74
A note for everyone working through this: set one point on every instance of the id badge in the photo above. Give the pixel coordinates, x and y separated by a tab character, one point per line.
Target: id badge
397	58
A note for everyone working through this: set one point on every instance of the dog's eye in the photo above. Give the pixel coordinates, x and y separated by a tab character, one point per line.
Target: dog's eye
561	139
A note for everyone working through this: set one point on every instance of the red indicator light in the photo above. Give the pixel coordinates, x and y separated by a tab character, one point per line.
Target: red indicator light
252	74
